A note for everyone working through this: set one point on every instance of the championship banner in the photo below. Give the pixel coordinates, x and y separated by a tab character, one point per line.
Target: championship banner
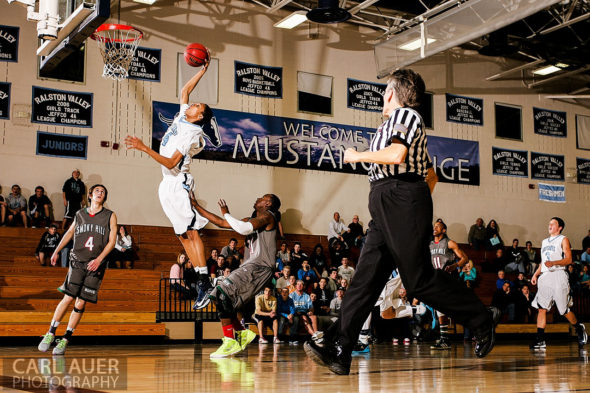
583	170
62	145
465	110
9	43
5	100
64	108
258	80
547	166
510	162
366	96
548	122
146	64
293	143
552	193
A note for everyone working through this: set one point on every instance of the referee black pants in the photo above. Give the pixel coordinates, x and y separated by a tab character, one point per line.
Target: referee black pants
399	237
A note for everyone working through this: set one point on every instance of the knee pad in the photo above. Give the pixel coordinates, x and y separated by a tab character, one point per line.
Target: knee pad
78	310
224	307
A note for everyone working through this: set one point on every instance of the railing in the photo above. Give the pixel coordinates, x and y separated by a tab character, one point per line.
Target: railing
175	304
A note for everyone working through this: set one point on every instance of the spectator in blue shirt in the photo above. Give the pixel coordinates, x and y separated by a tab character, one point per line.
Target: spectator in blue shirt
285	309
307	275
303	310
501	280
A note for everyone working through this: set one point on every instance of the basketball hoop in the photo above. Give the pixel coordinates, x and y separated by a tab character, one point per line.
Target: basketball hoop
117	44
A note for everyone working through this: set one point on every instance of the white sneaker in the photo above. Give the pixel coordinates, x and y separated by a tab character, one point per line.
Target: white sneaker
276	341
407	341
262	340
395	341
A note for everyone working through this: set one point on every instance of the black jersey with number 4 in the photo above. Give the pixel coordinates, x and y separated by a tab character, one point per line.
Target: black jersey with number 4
91	234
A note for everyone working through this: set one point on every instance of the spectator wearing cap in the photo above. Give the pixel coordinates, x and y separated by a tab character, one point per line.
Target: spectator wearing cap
39	208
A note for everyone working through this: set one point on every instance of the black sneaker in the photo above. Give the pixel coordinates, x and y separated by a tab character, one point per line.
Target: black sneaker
441	345
203	299
331	355
538	345
485	336
582	336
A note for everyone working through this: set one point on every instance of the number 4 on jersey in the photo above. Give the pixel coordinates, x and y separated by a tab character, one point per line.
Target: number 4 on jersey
90	243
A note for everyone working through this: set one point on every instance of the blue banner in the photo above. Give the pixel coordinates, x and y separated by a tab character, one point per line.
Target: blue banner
61	145
551	193
294	143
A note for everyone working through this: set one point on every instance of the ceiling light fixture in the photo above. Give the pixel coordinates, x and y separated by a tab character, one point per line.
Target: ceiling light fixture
291	21
550	69
148	2
415	44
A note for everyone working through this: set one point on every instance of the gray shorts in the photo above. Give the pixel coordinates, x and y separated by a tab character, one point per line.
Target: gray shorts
81	283
553	287
244	283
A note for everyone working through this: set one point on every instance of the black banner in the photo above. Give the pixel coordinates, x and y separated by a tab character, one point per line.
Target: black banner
466	110
583	170
145	65
61	145
365	96
510	162
65	108
552	123
9	43
258	80
547	167
4	100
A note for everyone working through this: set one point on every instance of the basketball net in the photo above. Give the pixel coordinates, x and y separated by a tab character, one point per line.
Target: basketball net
117	45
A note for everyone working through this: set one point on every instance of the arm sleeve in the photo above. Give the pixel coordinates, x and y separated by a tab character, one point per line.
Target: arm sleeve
243	228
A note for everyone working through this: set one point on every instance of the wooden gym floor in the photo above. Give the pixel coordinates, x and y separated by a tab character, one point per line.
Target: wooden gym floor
511	367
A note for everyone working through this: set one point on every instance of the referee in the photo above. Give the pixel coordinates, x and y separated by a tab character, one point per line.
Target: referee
401	178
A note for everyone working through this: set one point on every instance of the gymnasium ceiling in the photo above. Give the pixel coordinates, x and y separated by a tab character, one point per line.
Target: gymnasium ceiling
559	34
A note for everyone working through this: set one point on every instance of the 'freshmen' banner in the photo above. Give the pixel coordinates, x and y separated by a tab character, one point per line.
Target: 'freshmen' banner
293	143
64	108
466	110
258	80
552	123
551	193
583	170
510	162
366	96
547	166
4	100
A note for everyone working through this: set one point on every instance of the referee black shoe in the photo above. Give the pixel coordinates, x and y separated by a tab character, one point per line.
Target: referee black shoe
330	355
485	336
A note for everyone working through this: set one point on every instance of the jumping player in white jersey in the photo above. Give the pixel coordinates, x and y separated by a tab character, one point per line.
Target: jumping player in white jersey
553	287
183	139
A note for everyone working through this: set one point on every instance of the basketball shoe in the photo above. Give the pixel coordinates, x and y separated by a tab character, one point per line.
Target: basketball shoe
204	290
48	339
60	348
245	337
538	345
441	345
582	335
485	336
228	347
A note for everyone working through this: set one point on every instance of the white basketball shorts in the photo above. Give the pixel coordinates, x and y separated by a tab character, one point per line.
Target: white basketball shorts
174	198
553	287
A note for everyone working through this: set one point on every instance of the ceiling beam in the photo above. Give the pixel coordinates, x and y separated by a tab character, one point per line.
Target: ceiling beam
556	77
565	24
510	71
361	6
277	5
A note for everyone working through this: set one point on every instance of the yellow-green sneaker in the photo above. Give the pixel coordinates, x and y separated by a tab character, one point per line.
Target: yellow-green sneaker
245	337
48	339
228	347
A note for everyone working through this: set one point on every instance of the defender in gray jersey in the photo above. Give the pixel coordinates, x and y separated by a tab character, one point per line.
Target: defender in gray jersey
244	283
94	231
444	253
553	284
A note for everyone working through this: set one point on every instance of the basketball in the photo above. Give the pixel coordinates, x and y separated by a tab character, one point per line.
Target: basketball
195	55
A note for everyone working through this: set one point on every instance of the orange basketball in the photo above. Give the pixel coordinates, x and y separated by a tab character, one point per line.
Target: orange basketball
195	55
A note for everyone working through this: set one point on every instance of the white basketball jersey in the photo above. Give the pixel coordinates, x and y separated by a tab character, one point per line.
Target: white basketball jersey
551	251
185	137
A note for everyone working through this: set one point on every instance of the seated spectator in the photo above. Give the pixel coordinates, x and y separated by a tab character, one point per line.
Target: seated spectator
494	241
233	262
585	257
47	245
531	258
122	254
285	310
292	284
307	275
283	281
502	279
573	278
585	277
318	261
496	264
521	281
296	258
525	311
504	299
217	270
177	282
266	315
345	270
231	249
515	259
40	208
16	206
404	332
212	260
324	297
477	235
354	233
335	229
283	256
335	304
469	274
586	241
3	206
343	285
337	252
226	273
333	280
303	310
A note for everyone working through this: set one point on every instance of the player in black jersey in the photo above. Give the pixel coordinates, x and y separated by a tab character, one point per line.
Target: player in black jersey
94	231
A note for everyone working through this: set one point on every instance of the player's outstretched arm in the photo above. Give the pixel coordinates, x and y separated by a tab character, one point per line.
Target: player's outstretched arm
460	254
133	142
189	86
95	263
64	240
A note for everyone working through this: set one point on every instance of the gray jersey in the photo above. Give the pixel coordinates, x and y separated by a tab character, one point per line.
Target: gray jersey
440	253
91	234
261	247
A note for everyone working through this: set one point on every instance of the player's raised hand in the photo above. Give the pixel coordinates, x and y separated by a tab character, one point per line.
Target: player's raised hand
223	206
133	142
207	60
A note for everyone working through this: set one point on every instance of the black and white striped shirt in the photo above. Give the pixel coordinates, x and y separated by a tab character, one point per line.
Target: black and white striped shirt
404	125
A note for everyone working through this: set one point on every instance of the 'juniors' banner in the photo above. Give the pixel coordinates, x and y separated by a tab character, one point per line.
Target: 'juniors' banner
61	145
583	170
510	162
8	43
552	193
293	143
146	64
4	100
465	110
366	96
551	123
65	108
257	80
547	166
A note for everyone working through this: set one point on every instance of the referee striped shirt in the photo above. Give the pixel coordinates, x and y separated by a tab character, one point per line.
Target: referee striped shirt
405	126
